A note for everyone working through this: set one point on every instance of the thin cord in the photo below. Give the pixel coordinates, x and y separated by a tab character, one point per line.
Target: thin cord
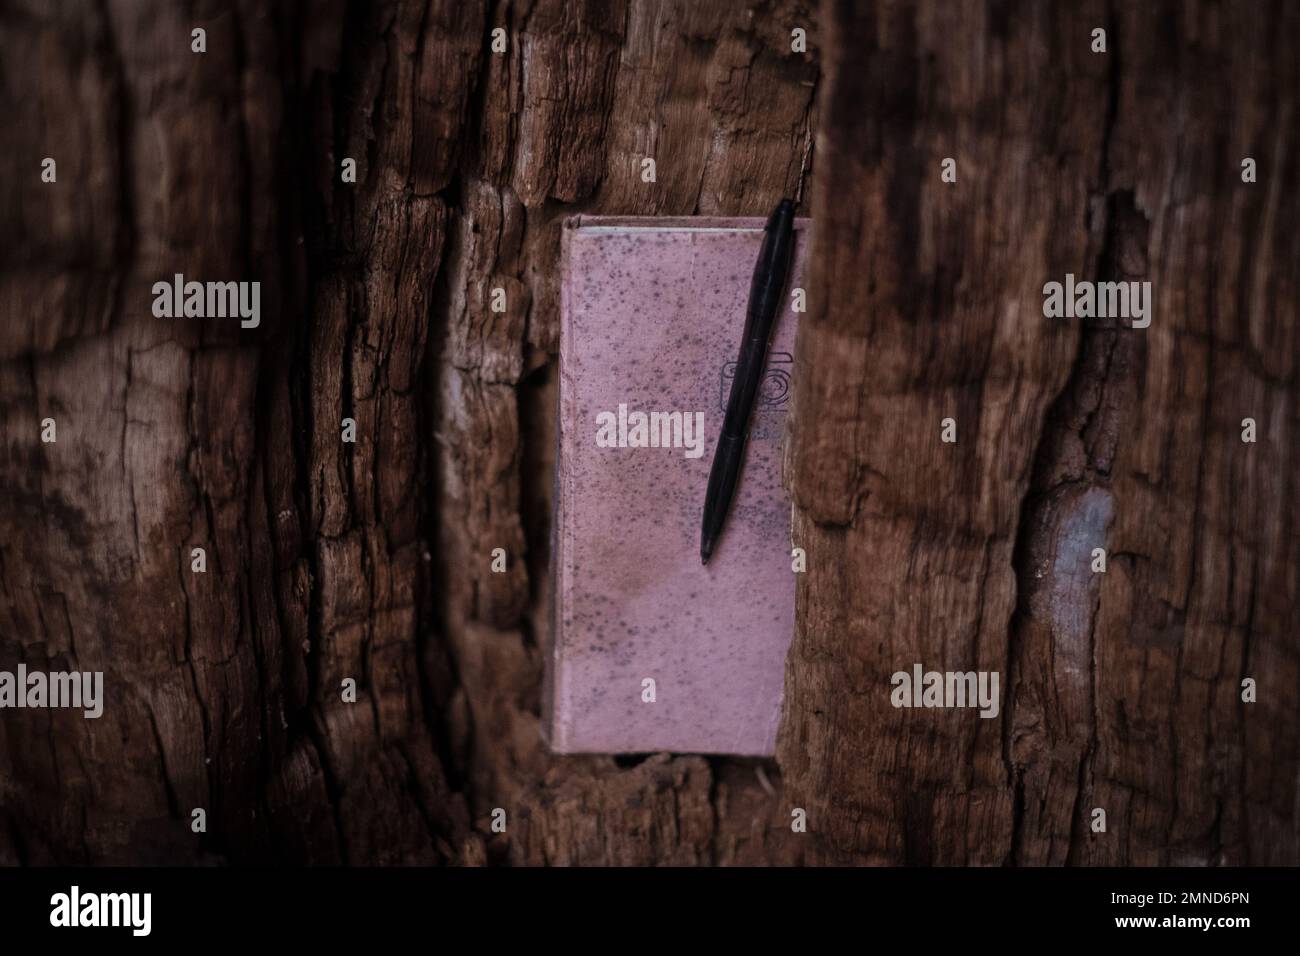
807	156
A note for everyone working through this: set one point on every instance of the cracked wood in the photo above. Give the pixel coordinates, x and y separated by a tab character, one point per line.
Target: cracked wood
328	560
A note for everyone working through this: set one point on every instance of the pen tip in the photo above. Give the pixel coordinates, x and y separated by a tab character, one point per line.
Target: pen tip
706	552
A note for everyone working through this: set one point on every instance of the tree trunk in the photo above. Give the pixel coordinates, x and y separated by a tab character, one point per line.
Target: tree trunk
328	560
1122	691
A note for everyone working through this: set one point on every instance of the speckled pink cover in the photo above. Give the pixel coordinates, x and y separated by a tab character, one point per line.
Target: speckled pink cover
652	312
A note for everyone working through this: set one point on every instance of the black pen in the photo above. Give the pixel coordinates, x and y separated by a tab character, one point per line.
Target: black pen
765	297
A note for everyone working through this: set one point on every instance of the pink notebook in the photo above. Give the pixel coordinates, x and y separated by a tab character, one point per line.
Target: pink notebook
652	312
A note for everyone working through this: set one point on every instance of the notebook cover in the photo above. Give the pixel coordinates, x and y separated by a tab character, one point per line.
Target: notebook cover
652	312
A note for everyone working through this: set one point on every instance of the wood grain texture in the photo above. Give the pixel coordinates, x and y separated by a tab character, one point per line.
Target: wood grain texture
329	560
371	560
1120	691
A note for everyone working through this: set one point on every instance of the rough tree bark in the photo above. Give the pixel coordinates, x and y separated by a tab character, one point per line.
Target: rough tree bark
1122	691
329	560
